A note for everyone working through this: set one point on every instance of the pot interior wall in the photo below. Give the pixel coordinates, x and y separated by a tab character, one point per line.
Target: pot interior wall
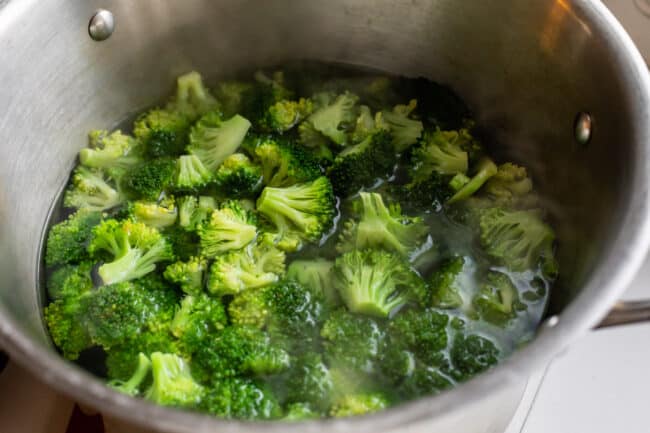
526	69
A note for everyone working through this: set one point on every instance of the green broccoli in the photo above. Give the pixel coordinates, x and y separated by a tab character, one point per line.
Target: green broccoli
115	313
249	308
66	330
363	164
213	139
108	150
306	208
67	241
230	227
381	226
423	381
162	132
188	275
423	333
510	180
299	412
233	95
449	282
352	342
367	125
309	381
485	169
316	275
241	399
256	100
70	280
472	354
191	174
123	359
158	215
238	350
193	211
375	282
238	177
192	98
519	240
134	247
151	178
331	120
284	164
427	195
245	269
90	189
441	152
359	404
184	243
133	384
285	114
173	384
497	301
404	130
199	317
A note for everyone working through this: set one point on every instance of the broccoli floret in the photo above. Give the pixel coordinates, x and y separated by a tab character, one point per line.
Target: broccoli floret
198	317
150	179
110	150
116	313
307	208
284	164
295	315
134	247
425	380
188	275
518	240
404	130
173	384
238	350
67	240
427	195
158	215
485	169
286	114
249	308
191	174
441	152
241	399
245	269
263	94
510	180
331	120
238	177
300	412
213	139
380	226
458	182
423	333
359	404
363	164
90	189
375	282
472	354
162	132
316	275
367	125
497	301
229	228
185	243
70	280
447	283
352	342
132	385
231	95
192	98
309	381
193	211
66	330
123	359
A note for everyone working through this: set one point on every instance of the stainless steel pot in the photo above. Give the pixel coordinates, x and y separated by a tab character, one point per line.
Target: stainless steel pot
526	67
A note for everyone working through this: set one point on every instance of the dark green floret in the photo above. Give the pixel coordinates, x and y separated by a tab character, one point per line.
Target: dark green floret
68	240
150	179
238	177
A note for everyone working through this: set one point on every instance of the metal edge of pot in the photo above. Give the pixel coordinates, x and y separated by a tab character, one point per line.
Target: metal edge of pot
617	271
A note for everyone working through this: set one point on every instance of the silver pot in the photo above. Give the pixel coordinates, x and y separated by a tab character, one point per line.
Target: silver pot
526	67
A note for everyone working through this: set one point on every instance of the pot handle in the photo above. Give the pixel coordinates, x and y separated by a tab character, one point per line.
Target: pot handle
627	312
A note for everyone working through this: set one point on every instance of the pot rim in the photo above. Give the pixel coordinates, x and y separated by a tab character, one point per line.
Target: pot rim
612	277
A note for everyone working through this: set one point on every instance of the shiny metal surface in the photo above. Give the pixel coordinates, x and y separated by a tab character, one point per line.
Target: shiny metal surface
625	313
583	128
101	25
526	68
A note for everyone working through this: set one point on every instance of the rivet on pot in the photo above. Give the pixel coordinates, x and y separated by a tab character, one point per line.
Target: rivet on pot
583	128
101	25
552	321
